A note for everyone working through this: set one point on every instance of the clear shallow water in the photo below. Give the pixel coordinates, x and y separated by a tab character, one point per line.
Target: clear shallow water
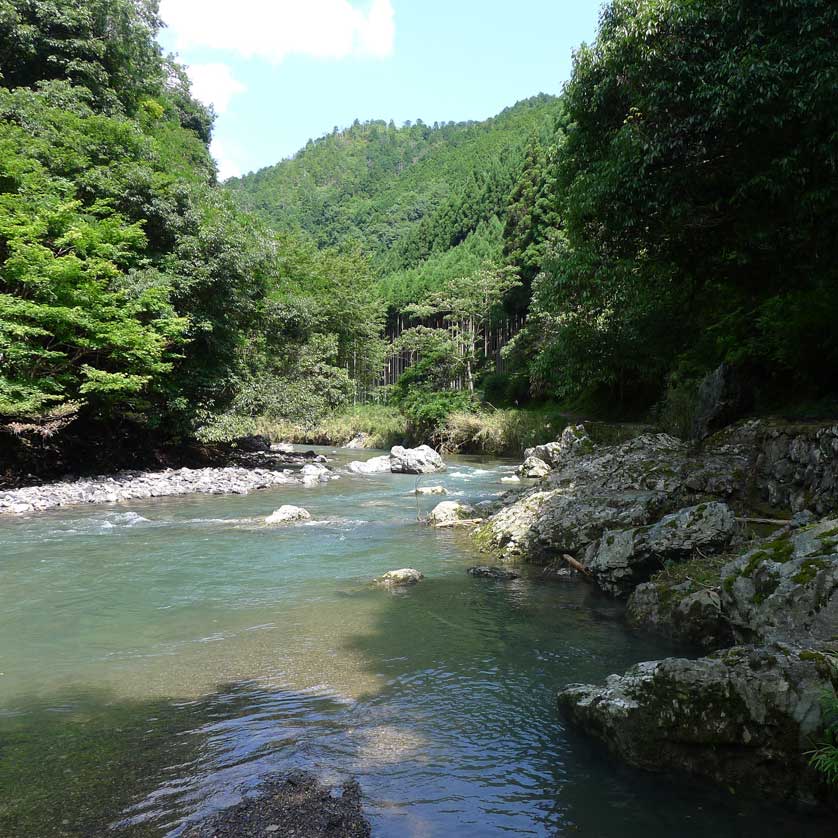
158	658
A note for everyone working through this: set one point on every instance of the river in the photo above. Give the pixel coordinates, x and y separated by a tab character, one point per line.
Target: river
158	658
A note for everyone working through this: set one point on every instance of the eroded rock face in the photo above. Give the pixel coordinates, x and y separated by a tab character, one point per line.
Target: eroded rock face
623	559
421	460
742	717
400	578
680	613
450	513
785	589
534	468
288	515
375	465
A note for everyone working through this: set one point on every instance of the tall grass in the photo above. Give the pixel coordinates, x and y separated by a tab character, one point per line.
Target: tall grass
501	432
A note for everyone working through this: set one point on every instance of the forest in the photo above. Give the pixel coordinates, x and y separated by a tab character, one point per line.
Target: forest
672	210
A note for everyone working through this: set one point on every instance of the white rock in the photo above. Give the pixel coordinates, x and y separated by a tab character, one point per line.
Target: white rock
450	512
376	465
534	467
421	460
287	515
405	576
432	490
513	478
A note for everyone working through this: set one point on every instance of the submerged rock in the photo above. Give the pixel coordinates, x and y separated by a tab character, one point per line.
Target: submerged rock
297	806
492	572
786	588
533	467
400	578
288	514
375	465
432	490
449	513
744	717
421	460
623	559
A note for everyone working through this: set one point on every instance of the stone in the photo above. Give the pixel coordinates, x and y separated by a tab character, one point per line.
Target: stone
533	467
680	613
573	442
421	460
492	572
400	578
255	443
288	515
743	717
512	478
314	473
432	490
723	397
786	588
375	465
623	559
450	513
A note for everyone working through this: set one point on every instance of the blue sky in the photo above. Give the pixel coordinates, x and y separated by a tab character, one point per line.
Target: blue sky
280	72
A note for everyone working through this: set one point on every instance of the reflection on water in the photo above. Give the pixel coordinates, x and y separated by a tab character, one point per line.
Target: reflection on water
157	659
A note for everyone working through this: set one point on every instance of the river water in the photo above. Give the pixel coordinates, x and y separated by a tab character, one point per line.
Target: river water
158	659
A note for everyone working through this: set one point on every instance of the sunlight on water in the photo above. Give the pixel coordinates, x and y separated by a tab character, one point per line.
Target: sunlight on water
159	658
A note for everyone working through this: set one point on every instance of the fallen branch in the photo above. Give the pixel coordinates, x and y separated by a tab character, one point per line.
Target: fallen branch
577	566
778	521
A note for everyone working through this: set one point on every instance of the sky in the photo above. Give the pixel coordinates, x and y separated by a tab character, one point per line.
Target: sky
281	72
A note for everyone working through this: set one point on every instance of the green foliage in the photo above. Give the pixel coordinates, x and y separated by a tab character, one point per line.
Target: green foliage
696	196
825	758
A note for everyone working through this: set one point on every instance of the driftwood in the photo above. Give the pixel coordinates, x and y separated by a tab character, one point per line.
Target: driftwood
577	566
466	522
778	521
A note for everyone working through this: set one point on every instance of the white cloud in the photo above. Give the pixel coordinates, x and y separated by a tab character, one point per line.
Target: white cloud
224	159
274	29
213	84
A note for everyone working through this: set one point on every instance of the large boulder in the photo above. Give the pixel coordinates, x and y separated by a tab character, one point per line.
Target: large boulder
400	578
573	442
315	473
421	460
623	559
680	612
534	468
253	444
288	515
375	465
744	717
451	513
786	588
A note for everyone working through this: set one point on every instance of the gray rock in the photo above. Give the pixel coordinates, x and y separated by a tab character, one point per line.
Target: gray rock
533	467
288	515
450	513
787	588
492	572
432	490
421	460
744	717
573	442
623	559
723	397
400	578
375	465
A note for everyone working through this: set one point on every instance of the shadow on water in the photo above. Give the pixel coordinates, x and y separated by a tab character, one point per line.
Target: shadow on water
472	671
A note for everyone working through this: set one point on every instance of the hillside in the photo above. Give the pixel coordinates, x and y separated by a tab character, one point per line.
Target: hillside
404	193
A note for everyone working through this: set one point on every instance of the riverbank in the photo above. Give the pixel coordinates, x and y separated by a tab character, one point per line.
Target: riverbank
730	546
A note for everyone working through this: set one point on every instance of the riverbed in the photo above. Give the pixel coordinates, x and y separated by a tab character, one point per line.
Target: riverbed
160	658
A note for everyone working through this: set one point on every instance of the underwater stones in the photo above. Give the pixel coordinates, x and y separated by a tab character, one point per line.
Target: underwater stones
492	572
432	490
624	558
288	515
450	513
745	716
533	467
375	465
404	577
421	460
785	588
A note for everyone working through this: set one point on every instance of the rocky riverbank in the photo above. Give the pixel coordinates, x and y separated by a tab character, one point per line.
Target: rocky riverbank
679	531
263	471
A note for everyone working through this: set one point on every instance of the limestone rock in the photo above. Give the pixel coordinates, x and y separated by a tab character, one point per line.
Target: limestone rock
573	442
533	467
400	578
287	515
787	588
625	558
375	465
421	460
745	716
449	513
